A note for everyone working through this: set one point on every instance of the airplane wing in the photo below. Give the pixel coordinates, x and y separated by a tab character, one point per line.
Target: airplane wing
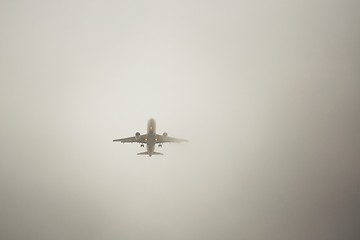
161	139
142	139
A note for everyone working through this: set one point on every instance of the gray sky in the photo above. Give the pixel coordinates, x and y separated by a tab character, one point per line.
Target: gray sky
266	92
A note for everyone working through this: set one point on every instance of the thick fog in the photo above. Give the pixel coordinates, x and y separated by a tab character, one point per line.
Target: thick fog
266	92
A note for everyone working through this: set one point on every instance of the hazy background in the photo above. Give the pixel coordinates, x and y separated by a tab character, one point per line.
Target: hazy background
266	92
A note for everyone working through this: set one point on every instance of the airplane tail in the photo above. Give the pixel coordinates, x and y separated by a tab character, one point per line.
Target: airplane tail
146	153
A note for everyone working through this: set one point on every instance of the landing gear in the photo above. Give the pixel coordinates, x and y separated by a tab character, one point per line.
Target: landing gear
142	145
160	145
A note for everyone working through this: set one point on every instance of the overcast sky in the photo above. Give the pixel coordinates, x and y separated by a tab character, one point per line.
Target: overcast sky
266	92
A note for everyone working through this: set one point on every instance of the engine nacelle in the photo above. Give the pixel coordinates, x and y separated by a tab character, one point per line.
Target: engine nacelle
137	136
165	136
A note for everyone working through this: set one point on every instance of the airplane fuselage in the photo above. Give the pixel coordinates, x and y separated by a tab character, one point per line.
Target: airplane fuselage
151	136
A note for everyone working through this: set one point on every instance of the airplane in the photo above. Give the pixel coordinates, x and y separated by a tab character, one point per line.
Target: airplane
150	139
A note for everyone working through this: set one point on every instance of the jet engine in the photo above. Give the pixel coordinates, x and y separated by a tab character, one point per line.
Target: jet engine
137	136
165	136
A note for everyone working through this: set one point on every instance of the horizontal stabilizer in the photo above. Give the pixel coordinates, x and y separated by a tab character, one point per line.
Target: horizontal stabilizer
157	153
146	153
143	153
